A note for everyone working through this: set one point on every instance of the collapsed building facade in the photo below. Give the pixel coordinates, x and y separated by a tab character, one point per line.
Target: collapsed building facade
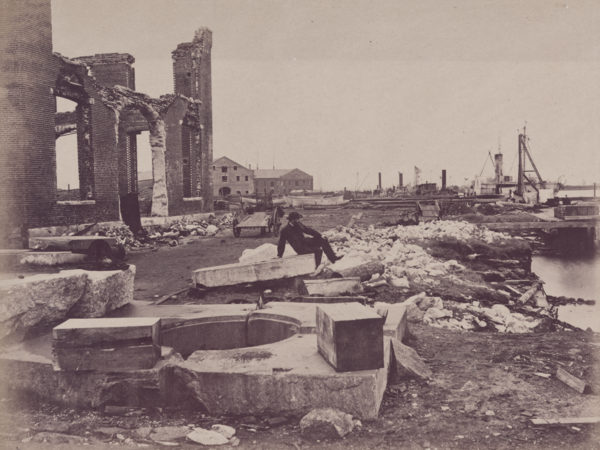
108	117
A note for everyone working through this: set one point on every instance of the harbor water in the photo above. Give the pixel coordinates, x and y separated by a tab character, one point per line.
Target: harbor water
575	276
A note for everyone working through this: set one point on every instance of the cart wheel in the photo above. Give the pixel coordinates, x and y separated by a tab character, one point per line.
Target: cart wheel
276	228
237	231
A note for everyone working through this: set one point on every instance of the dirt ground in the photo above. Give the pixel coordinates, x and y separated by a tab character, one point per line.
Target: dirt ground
486	386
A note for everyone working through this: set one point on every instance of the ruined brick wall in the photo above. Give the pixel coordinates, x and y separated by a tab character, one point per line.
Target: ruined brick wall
27	107
110	69
192	78
173	118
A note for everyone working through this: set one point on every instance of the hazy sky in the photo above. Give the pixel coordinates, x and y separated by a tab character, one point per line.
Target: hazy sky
346	89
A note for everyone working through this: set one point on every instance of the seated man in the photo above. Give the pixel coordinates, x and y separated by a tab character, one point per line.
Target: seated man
294	233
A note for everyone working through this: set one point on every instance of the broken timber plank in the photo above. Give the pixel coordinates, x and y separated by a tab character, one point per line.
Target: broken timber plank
571	380
273	269
566	421
350	336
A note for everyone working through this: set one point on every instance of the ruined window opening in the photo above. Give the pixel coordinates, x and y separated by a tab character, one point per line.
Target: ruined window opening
187	146
144	174
237	178
73	115
214	167
67	165
234	167
272	183
224	178
224	169
246	179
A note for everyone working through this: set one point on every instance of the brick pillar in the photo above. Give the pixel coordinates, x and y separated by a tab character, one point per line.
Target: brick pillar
192	78
27	107
85	152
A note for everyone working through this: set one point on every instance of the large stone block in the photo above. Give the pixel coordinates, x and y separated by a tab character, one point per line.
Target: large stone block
350	336
107	344
105	291
231	274
37	302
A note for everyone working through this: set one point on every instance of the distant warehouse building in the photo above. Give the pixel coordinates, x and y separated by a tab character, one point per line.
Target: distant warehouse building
230	177
281	181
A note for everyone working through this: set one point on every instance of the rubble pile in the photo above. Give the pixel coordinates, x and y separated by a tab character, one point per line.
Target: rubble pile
458	271
401	248
168	234
472	316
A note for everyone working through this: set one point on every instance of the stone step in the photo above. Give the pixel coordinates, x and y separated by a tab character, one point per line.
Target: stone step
237	273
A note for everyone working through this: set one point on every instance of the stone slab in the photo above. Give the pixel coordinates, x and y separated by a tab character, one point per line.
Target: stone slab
108	331
69	243
232	274
408	362
350	336
286	376
333	286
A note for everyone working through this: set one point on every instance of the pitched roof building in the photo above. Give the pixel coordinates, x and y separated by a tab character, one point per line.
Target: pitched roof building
230	177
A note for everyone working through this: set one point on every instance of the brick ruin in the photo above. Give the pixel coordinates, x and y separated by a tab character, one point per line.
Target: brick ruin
108	118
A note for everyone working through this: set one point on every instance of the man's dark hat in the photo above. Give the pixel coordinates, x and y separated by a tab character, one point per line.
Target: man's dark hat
294	215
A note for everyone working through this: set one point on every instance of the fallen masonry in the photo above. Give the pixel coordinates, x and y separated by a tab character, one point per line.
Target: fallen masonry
274	367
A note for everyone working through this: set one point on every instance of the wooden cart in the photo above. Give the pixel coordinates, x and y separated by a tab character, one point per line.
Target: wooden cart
265	222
